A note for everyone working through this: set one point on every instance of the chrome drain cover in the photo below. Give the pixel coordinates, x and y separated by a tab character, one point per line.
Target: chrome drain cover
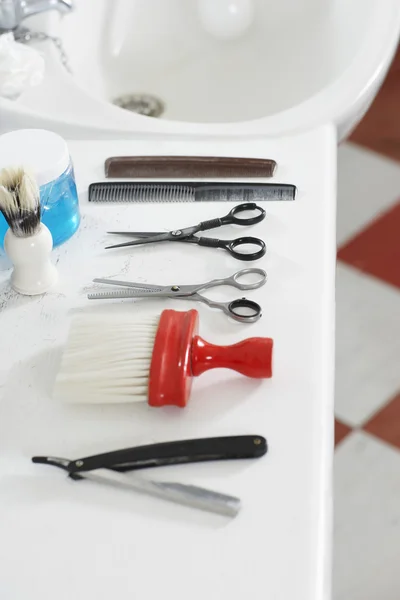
142	104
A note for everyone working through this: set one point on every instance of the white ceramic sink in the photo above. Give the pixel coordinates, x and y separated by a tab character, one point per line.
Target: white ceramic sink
290	66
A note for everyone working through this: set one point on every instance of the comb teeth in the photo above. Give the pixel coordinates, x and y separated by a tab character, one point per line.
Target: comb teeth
140	192
160	191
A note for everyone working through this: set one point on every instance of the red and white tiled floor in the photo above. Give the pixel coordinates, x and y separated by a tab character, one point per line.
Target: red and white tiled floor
367	459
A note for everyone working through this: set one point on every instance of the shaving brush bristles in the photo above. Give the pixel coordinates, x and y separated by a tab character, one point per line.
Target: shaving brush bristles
107	359
20	201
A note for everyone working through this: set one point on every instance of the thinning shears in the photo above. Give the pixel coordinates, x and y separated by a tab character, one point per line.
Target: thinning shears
242	309
188	234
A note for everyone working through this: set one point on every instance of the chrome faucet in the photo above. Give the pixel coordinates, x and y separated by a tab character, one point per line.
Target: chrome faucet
13	12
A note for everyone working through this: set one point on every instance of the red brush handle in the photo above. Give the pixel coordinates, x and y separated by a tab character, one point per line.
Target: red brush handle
251	357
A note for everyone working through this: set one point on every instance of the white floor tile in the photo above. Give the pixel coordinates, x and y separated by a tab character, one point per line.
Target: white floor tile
367	185
367	345
367	520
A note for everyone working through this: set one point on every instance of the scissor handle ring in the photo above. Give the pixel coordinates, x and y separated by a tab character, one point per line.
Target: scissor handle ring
253	309
233	218
236	277
231	246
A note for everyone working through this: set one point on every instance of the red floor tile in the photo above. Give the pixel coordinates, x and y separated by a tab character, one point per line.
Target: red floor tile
386	423
341	431
376	249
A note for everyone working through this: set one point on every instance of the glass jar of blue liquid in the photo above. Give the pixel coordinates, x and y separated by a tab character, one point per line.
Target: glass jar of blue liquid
46	155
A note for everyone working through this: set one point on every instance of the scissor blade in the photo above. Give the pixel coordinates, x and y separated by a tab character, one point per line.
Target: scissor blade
130	284
138	234
162	237
131	293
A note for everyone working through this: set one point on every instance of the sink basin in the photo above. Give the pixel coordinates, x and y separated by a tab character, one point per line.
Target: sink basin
285	67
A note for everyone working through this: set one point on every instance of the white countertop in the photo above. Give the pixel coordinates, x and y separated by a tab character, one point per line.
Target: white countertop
62	540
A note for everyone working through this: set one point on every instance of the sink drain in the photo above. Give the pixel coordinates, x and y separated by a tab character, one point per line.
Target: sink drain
142	104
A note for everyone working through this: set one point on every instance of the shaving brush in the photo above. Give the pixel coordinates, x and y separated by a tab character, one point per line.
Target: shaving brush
28	242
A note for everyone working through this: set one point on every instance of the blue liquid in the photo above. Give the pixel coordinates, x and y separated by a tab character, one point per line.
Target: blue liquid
60	208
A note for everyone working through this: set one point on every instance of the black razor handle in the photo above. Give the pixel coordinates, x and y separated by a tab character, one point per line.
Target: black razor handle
174	453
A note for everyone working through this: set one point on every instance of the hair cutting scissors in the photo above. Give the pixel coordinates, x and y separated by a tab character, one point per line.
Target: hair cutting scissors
236	247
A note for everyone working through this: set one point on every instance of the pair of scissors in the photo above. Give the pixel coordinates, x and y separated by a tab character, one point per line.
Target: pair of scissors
188	234
243	310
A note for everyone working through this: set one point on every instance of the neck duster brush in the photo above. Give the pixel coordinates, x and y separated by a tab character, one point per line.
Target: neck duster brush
28	242
125	358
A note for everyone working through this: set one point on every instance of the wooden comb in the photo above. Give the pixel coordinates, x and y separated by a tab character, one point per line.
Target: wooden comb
170	167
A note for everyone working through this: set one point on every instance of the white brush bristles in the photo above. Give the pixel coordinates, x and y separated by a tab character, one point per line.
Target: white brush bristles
20	201
107	359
